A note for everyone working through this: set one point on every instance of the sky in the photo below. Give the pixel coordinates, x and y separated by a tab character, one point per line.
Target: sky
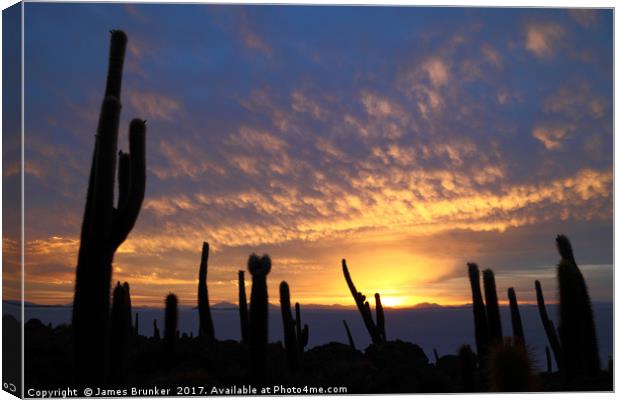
407	140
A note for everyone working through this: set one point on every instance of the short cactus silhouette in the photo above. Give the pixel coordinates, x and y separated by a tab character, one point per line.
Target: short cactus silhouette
156	334
376	330
205	329
105	227
243	310
171	320
436	355
480	317
494	321
349	337
577	330
510	368
259	269
515	316
288	324
467	369
301	333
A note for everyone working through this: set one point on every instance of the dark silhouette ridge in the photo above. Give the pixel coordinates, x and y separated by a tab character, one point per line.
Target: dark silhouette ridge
243	310
105	227
259	269
205	329
376	331
515	316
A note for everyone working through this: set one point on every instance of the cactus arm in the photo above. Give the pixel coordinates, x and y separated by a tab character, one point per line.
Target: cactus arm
128	214
515	316
349	336
380	316
362	306
548	325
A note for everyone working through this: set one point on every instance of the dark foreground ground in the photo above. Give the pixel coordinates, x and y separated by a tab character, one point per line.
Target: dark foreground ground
393	367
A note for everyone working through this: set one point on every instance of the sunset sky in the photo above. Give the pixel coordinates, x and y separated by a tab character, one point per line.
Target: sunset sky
407	140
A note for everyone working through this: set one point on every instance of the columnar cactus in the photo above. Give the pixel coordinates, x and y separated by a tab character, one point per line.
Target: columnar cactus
105	227
171	320
549	327
259	269
349	336
301	333
120	332
205	329
376	331
577	331
515	316
156	334
243	310
288	325
436	356
480	318
490	296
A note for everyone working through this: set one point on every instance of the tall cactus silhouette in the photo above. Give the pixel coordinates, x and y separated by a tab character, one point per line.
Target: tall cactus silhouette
515	317
376	331
490	296
259	269
549	327
548	358
205	329
105	227
288	325
243	310
349	336
171	321
480	317
120	332
577	331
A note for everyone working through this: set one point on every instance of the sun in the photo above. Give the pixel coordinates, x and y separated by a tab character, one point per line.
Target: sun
391	301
